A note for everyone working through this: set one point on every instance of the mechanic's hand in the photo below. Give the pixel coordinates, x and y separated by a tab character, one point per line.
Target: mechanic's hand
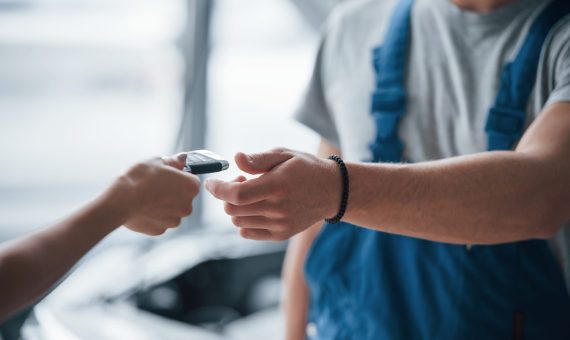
295	191
156	194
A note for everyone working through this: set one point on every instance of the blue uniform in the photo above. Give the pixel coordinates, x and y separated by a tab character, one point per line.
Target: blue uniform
366	284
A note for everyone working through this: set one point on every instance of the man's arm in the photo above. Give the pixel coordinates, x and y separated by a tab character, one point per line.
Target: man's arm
296	293
485	198
149	198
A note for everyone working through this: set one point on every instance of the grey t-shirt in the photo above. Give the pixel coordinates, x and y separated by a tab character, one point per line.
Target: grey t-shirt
455	60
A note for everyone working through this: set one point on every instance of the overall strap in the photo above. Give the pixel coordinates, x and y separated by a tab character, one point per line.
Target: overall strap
507	117
389	97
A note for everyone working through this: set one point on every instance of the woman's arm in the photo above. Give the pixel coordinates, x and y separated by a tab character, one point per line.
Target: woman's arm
149	198
485	198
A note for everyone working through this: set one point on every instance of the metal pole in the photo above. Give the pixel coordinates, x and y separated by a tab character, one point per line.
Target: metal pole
196	50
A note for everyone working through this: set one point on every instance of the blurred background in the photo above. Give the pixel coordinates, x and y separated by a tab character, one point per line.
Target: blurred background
89	87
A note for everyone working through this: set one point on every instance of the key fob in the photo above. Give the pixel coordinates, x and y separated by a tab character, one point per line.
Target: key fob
204	162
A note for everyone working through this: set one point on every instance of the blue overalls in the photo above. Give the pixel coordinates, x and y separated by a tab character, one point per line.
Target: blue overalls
366	284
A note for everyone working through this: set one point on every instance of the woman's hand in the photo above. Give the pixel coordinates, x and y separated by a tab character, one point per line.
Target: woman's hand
155	195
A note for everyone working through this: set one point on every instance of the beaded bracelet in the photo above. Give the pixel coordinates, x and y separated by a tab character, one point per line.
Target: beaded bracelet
345	185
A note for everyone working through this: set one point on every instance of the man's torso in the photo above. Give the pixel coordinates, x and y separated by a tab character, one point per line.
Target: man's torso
452	78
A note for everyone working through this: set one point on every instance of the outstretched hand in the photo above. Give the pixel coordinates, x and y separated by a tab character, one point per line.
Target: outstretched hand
295	190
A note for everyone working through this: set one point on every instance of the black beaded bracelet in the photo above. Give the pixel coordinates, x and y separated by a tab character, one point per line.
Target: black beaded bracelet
345	185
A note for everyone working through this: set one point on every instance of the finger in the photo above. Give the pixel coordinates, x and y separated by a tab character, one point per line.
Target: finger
191	181
257	222
255	234
261	208
147	225
155	219
175	203
177	161
194	181
140	222
243	193
255	209
239	179
155	231
182	207
167	221
259	163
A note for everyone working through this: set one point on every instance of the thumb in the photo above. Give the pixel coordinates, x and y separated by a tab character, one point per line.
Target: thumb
259	163
177	161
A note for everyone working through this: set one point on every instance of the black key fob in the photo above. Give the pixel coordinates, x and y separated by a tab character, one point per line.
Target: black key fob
204	162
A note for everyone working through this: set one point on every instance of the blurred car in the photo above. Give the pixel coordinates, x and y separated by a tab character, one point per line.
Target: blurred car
202	285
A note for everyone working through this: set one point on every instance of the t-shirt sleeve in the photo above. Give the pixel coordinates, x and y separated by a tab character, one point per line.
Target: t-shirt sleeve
313	111
561	90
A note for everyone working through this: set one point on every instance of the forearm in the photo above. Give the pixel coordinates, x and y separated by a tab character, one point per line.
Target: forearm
296	294
31	266
478	199
149	198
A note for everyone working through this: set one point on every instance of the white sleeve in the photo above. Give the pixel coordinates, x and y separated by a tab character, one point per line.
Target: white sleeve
561	70
314	111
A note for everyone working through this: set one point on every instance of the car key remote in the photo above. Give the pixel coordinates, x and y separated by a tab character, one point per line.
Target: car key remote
204	162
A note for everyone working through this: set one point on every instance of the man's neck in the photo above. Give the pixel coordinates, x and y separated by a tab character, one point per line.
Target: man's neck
481	6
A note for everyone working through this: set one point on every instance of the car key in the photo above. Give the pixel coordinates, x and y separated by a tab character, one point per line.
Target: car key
204	162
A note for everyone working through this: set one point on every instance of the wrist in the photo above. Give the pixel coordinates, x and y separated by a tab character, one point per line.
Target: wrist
340	190
117	203
333	189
